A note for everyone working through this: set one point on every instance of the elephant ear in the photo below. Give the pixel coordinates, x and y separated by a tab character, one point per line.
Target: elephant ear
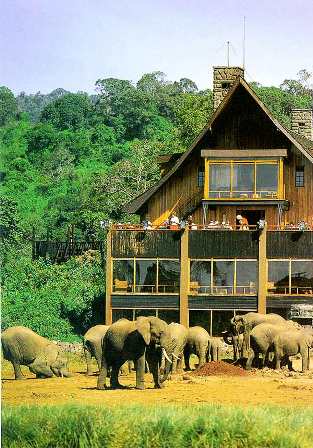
143	327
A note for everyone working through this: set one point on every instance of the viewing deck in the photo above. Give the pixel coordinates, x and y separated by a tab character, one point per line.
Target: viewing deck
205	268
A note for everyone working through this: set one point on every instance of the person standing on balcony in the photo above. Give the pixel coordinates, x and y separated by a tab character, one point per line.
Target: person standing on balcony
243	223
174	221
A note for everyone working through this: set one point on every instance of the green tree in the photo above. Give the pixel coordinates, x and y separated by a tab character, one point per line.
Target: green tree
70	111
8	106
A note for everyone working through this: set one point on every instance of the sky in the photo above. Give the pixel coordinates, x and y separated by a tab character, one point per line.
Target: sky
46	44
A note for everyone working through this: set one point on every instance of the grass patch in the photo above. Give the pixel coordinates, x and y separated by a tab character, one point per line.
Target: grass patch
160	427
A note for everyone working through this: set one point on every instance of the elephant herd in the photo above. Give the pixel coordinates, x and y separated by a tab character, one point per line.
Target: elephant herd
270	335
151	343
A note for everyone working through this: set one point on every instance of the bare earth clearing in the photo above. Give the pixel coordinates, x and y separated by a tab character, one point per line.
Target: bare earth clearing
256	388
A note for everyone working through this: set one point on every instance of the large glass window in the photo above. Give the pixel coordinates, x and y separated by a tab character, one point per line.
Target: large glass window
278	277
246	276
290	277
168	276
223	277
243	179
229	277
219	180
301	277
123	275
266	180
146	276
200	276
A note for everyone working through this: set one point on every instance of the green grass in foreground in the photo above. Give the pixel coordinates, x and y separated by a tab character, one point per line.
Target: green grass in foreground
162	427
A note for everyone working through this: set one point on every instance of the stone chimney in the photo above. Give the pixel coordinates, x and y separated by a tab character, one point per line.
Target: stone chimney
302	122
223	79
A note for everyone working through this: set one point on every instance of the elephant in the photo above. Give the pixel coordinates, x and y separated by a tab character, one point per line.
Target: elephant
237	341
22	346
178	334
261	340
197	343
145	338
246	322
215	348
290	343
92	343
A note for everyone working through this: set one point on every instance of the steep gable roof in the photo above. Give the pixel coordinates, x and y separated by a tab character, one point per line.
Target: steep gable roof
302	143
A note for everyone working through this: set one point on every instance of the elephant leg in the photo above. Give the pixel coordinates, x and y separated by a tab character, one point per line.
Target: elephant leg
201	353
174	363
187	354
214	354
155	370
305	359
180	364
114	374
103	375
140	372
277	360
250	359
98	357
17	371
88	361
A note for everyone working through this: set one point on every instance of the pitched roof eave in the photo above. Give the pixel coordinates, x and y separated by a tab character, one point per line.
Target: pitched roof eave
136	204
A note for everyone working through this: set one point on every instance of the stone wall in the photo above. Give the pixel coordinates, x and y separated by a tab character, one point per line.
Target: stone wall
302	122
223	79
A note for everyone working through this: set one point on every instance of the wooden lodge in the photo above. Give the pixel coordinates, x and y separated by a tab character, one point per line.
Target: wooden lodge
244	163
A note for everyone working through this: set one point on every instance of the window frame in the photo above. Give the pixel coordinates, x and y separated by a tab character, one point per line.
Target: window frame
288	290
256	193
134	284
211	289
299	175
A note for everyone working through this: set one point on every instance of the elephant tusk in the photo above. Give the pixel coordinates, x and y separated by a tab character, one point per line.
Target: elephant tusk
166	355
175	356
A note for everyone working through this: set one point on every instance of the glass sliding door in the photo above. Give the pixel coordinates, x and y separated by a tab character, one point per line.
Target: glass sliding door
278	277
200	277
302	277
219	180
266	180
243	180
223	277
168	276
123	276
146	276
246	276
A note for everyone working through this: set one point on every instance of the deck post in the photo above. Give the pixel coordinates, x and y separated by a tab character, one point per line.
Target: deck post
184	278
108	279
262	271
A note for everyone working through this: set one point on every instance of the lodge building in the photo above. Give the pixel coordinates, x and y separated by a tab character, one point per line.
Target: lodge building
244	163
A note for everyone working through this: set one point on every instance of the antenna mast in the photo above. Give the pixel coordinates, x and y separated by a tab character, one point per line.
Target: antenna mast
244	43
228	53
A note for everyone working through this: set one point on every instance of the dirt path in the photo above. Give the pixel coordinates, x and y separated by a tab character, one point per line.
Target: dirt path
255	389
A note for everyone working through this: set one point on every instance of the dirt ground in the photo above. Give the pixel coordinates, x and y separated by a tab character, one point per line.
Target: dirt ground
257	388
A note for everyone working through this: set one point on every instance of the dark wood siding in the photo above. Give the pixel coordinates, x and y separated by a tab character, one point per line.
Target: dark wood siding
289	244
146	244
223	244
222	303
132	301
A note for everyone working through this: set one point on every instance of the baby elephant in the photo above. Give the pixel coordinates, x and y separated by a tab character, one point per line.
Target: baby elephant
22	346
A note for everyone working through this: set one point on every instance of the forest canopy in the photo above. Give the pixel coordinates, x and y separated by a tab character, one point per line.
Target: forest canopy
75	159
